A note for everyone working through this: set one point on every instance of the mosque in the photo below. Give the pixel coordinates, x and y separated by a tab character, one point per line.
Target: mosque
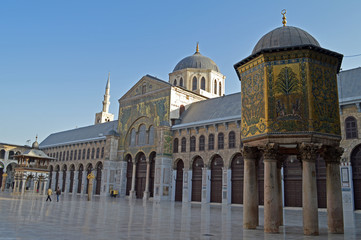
276	143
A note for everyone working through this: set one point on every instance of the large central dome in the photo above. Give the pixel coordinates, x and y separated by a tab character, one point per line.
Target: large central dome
197	60
285	37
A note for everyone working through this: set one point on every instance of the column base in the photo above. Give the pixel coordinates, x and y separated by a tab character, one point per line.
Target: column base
146	195
132	195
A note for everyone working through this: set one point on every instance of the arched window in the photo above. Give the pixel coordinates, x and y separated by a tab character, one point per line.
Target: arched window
88	154
220	141
220	89
71	155
67	155
132	137
60	155
201	143
83	154
93	153
63	155
11	155
181	110
57	155
193	144
79	154
175	145
75	154
181	82
175	82
102	154
2	154
203	83
215	86
141	136
351	128
151	135
211	142
98	152
194	83
184	145
231	140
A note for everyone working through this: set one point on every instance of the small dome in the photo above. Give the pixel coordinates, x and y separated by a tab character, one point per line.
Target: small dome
197	60
35	145
283	37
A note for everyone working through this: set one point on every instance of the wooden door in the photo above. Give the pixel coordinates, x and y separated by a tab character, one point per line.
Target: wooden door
260	179
80	179
129	177
197	179
356	176
237	179
151	178
292	173
99	180
141	172
71	181
179	181
321	182
216	179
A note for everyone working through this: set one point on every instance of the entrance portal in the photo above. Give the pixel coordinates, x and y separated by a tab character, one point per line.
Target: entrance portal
237	168
216	179
197	179
179	182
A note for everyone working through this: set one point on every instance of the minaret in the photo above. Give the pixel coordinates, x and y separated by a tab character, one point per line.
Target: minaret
105	116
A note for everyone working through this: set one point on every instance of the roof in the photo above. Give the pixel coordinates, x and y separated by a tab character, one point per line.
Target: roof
221	109
84	134
34	153
349	86
285	36
197	60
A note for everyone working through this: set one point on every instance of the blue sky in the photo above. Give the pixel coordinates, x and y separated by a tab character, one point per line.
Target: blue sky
55	55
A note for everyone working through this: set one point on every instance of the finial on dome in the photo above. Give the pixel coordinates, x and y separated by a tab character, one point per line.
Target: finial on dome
284	21
197	49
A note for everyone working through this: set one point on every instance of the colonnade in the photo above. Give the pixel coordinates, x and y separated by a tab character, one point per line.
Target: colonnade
146	193
39	183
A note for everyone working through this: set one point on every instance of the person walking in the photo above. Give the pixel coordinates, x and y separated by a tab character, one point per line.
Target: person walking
58	192
49	194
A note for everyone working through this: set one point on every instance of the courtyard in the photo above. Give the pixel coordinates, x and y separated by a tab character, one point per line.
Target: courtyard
73	217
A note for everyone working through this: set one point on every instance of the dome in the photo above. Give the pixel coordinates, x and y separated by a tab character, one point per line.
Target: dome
197	60
35	145
284	37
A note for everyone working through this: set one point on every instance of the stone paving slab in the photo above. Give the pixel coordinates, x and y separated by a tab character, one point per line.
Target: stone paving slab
115	218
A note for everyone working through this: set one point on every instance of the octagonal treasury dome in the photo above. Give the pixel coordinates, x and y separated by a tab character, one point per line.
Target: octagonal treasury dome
196	60
285	37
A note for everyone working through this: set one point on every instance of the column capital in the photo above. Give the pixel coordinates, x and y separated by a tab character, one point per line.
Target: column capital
332	154
250	152
309	151
270	152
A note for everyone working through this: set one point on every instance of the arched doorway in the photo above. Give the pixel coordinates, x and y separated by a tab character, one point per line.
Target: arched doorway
88	171
151	174
179	181
237	168
98	178
197	179
57	177
216	179
356	176
141	172
64	178
292	175
129	174
80	177
72	169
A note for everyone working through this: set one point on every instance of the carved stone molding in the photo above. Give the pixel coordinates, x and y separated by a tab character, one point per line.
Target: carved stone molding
332	154
270	152
309	151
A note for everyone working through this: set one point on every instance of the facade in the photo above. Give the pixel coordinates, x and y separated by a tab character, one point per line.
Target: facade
349	85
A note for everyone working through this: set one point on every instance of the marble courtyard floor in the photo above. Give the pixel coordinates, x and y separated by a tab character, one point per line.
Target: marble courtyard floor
109	218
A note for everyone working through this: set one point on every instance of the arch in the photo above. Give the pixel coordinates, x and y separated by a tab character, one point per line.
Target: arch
151	135
181	110
151	173
237	174
93	153
175	82
216	179
141	135
175	145
220	141
179	181
64	178
181	82
231	140
140	176
356	175
197	179
80	177
72	169
71	155
183	144
194	83
202	140
84	152
128	159
211	142
88	153
203	83
215	86
2	154
220	89
97	153
102	153
98	177
351	127
192	144
75	154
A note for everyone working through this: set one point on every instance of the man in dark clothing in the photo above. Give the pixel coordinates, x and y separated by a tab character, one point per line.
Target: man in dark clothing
58	192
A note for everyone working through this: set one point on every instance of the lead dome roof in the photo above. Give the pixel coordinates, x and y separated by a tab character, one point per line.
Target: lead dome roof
285	37
196	60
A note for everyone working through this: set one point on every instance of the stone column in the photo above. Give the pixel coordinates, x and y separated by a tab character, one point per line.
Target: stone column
146	192
332	156
250	187
309	152
132	190
4	181
23	187
271	201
